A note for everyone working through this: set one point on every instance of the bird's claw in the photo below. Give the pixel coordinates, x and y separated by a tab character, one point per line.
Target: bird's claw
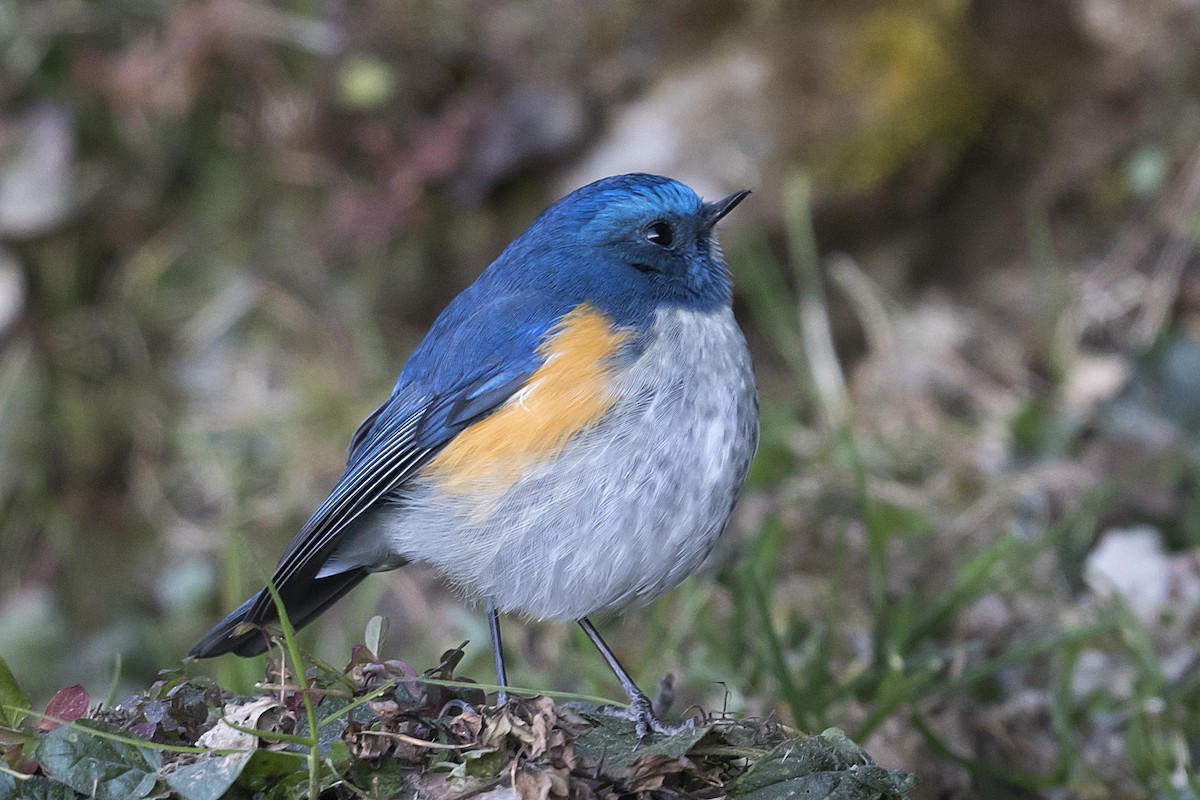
641	712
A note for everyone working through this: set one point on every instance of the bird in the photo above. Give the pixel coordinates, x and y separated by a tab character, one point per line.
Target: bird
569	439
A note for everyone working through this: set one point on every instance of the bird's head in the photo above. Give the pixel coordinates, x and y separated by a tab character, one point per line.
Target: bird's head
629	243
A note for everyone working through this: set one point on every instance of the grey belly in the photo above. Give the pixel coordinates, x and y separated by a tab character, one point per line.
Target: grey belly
629	509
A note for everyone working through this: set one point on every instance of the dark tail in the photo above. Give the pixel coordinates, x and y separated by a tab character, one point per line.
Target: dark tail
302	607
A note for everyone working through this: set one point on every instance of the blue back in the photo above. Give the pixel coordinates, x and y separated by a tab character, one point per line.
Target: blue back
587	247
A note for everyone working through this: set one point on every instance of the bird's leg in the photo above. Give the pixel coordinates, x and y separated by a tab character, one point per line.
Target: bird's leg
640	707
498	652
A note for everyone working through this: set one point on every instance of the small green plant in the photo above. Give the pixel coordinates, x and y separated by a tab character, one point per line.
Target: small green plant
380	729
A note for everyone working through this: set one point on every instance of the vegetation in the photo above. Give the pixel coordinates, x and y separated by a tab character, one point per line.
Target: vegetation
378	729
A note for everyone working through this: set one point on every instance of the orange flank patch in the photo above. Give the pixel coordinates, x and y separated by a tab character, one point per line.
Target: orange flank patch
569	393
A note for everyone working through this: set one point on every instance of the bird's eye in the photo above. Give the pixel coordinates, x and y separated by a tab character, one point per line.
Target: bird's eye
659	233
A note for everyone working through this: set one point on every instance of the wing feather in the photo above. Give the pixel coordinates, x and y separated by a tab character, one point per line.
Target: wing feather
480	350
401	438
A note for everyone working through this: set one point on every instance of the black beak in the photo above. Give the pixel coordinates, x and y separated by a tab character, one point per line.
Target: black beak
713	212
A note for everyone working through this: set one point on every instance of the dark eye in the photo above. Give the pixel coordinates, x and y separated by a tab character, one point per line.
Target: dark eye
659	233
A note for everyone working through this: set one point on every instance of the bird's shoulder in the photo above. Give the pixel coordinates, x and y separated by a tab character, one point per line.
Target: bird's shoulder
483	348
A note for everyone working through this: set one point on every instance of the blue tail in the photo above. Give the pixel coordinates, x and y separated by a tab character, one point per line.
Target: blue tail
303	604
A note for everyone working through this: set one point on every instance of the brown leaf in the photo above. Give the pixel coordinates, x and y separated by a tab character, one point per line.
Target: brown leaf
650	771
467	726
531	784
541	723
365	744
538	734
584	790
496	729
388	711
530	723
566	756
560	781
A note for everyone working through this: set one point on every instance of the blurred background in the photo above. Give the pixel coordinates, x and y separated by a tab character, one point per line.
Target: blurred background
969	273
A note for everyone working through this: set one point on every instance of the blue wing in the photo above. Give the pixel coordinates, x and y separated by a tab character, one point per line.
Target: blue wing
477	354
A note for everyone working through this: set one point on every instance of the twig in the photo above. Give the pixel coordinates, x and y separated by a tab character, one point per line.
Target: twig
403	737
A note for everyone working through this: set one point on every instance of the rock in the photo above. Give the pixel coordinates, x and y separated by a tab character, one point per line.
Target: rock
705	124
1093	379
1157	586
37	171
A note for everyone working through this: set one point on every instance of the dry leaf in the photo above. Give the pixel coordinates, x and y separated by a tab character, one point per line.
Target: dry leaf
265	713
467	726
531	784
649	772
560	781
496	729
365	744
388	711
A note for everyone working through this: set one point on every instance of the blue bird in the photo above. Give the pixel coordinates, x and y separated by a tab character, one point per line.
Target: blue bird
569	438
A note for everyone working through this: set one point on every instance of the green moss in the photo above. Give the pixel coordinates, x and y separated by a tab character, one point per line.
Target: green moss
916	100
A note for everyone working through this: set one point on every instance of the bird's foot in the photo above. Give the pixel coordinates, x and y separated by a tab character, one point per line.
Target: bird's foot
641	712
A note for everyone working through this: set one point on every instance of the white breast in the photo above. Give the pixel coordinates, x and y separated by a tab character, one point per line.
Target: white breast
630	508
